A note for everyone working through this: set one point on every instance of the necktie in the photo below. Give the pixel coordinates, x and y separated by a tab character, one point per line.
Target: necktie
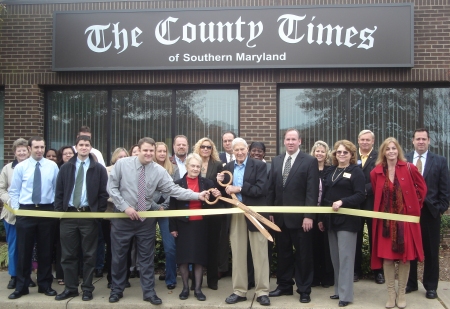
419	164
141	191
287	169
37	183
78	186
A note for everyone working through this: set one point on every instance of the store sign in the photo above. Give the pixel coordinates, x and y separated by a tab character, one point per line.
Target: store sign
235	38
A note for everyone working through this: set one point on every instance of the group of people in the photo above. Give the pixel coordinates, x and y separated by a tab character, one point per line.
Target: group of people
311	249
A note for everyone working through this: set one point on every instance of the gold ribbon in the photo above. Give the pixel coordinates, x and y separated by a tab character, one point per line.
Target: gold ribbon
217	211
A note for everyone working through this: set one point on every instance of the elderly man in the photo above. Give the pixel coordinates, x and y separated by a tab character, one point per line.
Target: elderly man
249	177
131	185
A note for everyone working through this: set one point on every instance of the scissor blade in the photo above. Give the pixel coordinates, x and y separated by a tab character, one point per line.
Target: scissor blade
259	227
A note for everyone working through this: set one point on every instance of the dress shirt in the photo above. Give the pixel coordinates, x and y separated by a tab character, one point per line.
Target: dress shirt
96	153
230	157
238	176
84	200
123	184
21	188
424	159
181	166
364	157
293	157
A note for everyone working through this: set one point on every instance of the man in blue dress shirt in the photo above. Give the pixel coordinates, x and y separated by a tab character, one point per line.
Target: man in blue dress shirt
33	188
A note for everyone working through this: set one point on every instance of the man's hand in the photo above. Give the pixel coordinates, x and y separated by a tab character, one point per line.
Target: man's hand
321	226
133	214
307	224
174	234
203	195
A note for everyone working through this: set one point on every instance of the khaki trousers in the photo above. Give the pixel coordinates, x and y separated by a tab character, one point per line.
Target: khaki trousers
239	235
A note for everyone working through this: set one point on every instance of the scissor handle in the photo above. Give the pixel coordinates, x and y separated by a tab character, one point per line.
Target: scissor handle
231	179
207	201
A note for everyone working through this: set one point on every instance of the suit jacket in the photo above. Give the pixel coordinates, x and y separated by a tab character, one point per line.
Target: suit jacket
253	189
214	167
368	167
223	157
436	177
301	189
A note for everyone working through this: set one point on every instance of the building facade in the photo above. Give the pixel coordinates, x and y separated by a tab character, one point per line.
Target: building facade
122	105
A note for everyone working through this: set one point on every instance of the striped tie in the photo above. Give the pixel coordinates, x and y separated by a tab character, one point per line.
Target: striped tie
141	191
419	164
287	169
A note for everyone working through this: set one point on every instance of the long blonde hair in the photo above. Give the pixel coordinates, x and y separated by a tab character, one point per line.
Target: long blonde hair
214	152
382	151
167	164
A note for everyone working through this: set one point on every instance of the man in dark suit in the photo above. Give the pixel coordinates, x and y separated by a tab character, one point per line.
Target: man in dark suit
434	170
227	139
367	156
294	181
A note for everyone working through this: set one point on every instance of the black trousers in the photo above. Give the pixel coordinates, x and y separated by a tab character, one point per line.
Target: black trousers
106	229
29	230
323	267
76	232
430	228
214	224
300	264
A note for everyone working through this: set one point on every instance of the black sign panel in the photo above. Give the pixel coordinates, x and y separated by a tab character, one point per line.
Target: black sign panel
235	38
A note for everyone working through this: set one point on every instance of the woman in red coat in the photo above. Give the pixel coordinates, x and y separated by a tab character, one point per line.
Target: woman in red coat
393	182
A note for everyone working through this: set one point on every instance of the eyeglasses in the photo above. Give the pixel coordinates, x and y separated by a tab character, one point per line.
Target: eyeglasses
205	147
342	152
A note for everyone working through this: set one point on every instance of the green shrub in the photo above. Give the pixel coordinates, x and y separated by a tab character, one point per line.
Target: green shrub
4	255
445	224
160	257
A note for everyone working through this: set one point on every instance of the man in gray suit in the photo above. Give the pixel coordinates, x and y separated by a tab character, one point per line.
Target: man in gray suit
131	185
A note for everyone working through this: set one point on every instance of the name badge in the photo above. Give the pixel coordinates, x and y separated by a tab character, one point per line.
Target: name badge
347	175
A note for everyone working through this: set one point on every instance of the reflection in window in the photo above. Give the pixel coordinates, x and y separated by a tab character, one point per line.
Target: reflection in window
69	110
386	112
318	113
206	113
2	132
437	119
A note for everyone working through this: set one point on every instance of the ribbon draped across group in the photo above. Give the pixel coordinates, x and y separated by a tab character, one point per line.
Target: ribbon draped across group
218	211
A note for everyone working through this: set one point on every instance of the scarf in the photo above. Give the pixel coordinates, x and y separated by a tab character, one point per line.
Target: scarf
392	202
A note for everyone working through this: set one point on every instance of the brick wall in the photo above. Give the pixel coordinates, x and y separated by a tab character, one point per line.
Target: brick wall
26	51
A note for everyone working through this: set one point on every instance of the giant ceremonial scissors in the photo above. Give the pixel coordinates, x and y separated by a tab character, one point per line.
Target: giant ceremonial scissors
253	216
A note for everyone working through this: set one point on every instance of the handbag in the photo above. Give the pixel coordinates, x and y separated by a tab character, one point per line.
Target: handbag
419	196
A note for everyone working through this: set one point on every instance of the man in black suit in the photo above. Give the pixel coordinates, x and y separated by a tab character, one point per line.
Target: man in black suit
227	138
367	156
294	181
434	170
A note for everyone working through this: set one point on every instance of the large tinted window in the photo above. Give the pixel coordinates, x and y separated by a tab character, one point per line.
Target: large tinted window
2	135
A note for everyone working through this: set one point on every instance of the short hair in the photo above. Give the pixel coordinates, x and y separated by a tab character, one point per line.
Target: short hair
131	149
327	151
238	140
259	145
214	152
50	149
180	136
365	132
192	156
382	151
147	140
229	132
421	130
349	146
84	129
35	139
116	153
18	143
292	129
83	138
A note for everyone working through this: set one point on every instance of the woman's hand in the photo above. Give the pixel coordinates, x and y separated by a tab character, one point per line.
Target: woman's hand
174	234
336	205
321	226
215	192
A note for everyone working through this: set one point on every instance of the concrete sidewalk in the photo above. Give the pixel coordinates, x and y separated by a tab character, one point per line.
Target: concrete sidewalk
367	295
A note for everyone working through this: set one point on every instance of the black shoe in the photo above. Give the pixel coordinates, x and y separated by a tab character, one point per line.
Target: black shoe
431	294
213	286
98	273
32	284
233	299
263	300
409	289
87	295
305	298
355	278
334	296
108	285
47	291
162	277
127	284
251	285
277	292
133	274
379	278
343	303
200	296
66	294
171	286
184	294
114	298
12	283
17	294
154	300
